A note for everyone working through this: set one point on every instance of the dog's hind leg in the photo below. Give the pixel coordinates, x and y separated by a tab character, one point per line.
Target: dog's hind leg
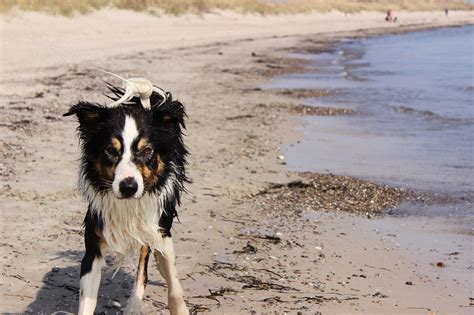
167	267
141	278
91	269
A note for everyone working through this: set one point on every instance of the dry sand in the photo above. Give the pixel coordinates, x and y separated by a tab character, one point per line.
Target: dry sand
236	254
32	40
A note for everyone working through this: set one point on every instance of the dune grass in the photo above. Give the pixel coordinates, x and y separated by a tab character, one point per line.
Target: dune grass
176	7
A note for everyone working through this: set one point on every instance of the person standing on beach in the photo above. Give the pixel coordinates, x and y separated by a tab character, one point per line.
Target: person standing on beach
389	17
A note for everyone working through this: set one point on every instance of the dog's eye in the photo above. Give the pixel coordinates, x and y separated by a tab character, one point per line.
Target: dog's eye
111	153
146	153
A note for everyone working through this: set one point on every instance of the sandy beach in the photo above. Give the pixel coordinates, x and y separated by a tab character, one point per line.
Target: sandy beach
238	249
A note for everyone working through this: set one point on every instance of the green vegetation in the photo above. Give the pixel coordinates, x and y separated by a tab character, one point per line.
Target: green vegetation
68	7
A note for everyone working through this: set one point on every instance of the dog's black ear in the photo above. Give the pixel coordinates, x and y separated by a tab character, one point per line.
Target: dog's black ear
171	114
88	114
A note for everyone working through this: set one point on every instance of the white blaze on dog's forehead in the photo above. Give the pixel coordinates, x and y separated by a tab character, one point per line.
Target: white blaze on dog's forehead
129	134
126	167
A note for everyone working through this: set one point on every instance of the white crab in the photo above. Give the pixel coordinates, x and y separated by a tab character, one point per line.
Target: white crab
137	87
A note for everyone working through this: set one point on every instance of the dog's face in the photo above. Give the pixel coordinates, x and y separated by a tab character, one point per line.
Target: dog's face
129	150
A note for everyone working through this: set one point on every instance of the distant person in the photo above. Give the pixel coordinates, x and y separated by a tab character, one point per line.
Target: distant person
389	17
446	12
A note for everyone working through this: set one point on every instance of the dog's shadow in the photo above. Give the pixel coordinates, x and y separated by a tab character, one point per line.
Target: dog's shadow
60	289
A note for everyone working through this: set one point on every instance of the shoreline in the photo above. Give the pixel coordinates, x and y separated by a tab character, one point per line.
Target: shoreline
325	261
325	108
306	95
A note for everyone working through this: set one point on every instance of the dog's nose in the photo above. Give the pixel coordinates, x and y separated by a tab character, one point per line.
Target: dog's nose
128	187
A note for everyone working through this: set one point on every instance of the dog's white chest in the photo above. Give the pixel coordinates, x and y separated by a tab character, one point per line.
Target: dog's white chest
128	223
131	223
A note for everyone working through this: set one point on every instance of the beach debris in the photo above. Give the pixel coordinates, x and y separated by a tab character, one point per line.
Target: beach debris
160	305
304	93
409	283
273	238
320	110
380	295
213	294
271	65
220	265
257	284
440	264
222	291
240	117
281	157
198	308
273	273
248	249
381	268
116	304
222	269
329	192
409	110
293	184
208	296
318	299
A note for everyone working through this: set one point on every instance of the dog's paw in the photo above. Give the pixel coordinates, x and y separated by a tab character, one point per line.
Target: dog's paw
134	307
179	309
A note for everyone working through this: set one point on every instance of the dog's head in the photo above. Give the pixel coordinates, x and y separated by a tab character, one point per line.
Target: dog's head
128	149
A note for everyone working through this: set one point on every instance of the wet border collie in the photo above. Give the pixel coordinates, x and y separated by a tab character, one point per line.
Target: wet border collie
132	174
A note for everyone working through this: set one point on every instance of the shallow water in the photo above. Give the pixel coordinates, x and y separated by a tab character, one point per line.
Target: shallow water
414	95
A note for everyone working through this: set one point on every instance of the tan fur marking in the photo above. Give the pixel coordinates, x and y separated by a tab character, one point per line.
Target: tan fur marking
116	143
146	173
142	264
104	172
142	143
100	236
151	176
160	165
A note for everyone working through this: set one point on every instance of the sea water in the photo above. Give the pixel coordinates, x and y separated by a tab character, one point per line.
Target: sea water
413	95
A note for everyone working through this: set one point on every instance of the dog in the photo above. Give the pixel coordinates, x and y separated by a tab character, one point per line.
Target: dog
132	175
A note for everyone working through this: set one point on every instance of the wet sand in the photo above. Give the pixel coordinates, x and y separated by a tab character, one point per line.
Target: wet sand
236	253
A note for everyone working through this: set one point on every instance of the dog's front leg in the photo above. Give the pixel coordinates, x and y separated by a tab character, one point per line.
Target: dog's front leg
141	278
167	267
89	285
91	269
